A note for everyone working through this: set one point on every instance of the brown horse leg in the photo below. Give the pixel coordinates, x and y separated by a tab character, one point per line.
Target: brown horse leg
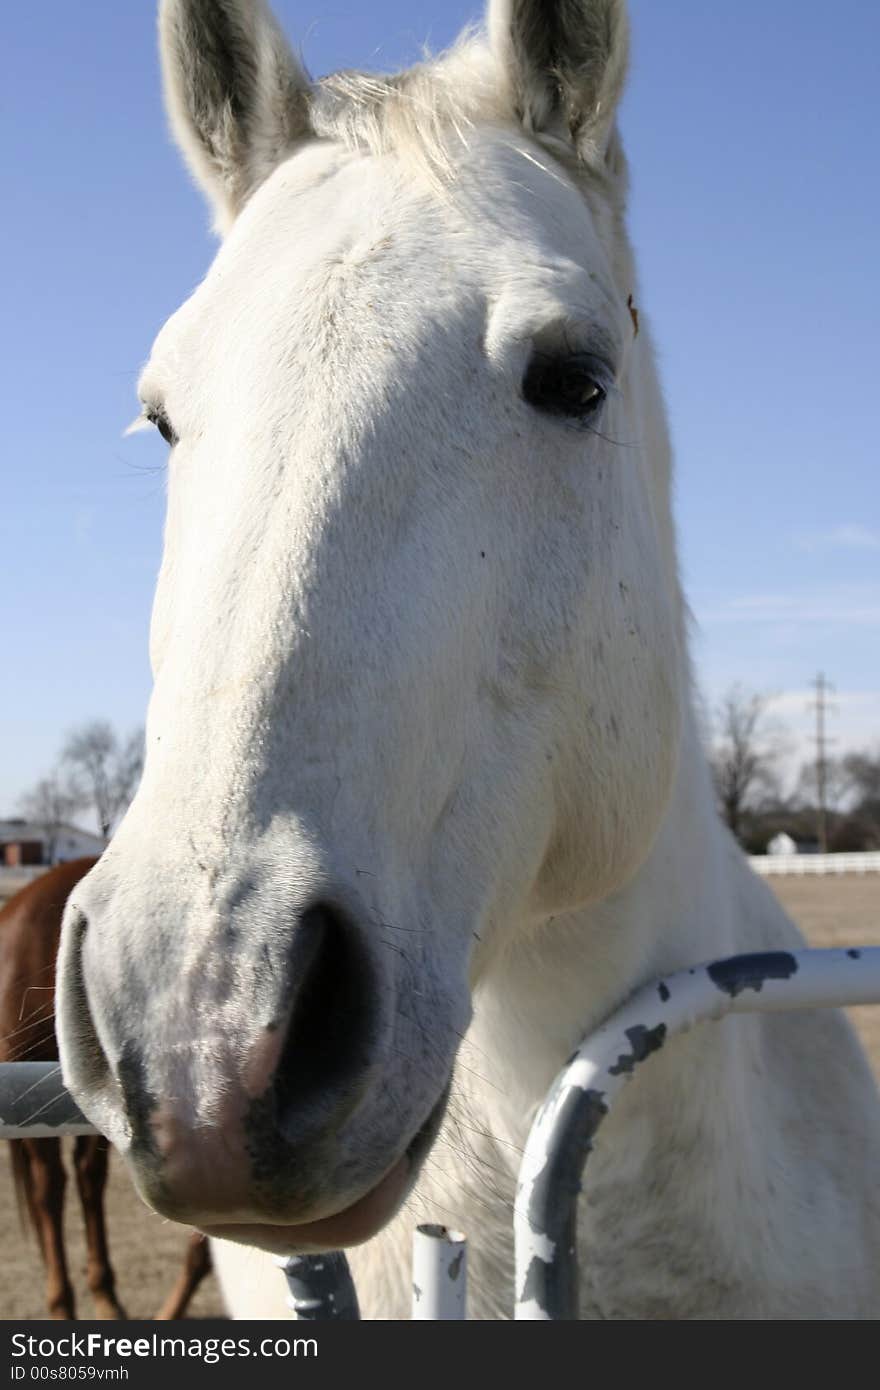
90	1161
196	1264
46	1181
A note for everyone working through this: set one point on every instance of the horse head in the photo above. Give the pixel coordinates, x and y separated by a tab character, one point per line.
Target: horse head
417	636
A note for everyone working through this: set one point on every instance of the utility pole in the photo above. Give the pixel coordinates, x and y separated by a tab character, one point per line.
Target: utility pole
822	707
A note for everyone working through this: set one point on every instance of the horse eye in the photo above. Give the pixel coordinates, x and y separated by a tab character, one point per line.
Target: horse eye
157	417
564	385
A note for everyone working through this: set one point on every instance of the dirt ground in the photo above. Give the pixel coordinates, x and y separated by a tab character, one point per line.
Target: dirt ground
842	911
147	1254
147	1251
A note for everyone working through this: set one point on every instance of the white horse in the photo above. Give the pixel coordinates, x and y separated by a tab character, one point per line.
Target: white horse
424	798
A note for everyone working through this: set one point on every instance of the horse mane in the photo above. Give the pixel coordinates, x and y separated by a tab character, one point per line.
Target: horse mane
424	112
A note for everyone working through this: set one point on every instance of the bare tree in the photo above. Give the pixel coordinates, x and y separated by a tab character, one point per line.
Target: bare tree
49	805
104	771
862	773
746	749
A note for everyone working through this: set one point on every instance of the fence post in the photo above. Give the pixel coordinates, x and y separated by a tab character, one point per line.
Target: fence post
439	1274
320	1287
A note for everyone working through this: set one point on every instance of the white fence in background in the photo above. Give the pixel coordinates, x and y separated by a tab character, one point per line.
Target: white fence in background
816	863
18	875
13	880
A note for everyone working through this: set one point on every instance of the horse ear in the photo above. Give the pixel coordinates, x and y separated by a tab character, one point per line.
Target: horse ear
564	62
236	96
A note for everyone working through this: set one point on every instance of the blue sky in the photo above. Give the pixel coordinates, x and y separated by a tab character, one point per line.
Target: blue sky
752	131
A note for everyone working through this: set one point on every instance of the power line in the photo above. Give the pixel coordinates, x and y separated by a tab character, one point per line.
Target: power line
823	707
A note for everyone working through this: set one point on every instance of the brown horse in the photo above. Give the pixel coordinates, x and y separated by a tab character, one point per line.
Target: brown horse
30	926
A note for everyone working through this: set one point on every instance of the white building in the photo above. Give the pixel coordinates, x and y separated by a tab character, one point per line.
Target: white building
23	843
782	844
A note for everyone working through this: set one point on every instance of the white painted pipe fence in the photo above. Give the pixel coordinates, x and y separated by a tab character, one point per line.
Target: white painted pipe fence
33	1102
439	1274
564	1131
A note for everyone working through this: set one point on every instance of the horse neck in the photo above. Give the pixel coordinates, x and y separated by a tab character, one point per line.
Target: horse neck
553	985
693	899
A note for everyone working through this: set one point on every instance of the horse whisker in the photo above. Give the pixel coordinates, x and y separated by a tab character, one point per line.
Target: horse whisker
50	1076
32	1022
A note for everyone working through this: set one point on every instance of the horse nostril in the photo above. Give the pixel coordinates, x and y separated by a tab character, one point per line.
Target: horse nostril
327	1053
85	1063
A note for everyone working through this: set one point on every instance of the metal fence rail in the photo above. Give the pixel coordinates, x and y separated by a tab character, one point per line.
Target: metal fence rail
35	1105
33	1102
565	1128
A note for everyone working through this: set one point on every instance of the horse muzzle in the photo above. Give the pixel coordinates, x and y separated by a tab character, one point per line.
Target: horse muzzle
290	1138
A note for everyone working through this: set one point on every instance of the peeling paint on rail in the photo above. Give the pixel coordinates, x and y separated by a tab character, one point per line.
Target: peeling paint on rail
563	1134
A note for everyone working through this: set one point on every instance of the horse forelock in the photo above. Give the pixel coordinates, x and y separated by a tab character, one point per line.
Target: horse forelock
429	113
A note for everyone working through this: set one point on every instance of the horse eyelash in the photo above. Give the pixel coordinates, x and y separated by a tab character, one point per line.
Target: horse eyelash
153	417
139	424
